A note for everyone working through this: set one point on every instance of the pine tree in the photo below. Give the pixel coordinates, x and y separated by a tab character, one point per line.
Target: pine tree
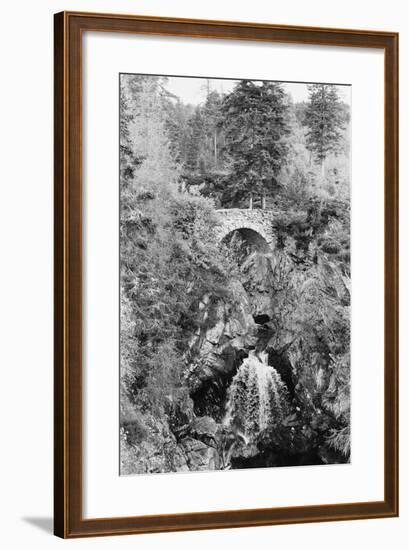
212	117
324	120
255	126
177	126
196	131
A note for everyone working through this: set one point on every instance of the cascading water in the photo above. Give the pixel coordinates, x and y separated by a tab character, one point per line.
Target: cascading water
256	398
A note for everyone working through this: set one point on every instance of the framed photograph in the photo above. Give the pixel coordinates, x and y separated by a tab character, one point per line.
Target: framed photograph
226	274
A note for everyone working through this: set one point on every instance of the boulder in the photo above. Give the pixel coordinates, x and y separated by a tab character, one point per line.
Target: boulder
204	429
199	456
179	410
157	453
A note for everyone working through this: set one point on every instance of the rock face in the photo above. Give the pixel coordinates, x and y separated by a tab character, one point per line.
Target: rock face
195	432
200	456
189	436
232	329
192	446
229	332
204	429
157	452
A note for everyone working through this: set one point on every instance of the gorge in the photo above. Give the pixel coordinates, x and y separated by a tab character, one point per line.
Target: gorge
234	276
240	404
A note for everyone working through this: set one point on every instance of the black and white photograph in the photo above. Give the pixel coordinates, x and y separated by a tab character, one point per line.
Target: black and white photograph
234	274
203	313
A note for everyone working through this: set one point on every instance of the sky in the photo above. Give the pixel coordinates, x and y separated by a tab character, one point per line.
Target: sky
193	90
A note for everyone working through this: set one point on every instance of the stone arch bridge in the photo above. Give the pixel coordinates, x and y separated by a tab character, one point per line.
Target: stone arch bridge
248	222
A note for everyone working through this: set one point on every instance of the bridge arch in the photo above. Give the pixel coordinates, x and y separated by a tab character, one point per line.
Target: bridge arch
250	236
248	222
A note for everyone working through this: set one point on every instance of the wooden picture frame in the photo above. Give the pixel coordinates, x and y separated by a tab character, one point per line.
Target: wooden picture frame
68	265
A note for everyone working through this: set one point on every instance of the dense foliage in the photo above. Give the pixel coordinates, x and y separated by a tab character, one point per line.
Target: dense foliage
168	256
178	164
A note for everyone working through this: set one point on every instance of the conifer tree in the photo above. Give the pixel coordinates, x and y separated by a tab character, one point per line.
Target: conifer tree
254	120
212	118
324	120
196	131
177	126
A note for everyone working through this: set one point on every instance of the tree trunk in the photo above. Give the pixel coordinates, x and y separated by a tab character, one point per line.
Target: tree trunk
263	201
251	201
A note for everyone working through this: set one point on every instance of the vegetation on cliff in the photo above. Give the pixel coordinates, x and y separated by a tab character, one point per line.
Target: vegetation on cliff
193	309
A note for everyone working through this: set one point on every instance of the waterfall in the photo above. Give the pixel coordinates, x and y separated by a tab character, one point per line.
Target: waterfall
255	399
